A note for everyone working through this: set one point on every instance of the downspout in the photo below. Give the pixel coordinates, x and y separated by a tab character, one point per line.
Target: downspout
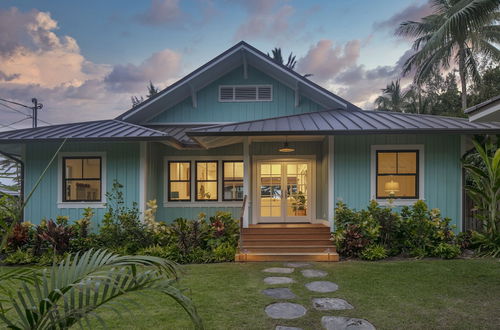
21	163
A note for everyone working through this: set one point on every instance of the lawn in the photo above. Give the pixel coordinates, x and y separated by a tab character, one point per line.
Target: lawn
422	294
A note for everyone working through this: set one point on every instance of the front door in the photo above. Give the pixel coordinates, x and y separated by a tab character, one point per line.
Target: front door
284	191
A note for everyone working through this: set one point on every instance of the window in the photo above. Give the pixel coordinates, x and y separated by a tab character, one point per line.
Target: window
232	181
82	179
179	181
206	180
397	174
245	93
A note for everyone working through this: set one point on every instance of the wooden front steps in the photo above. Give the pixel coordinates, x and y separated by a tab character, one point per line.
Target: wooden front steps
286	242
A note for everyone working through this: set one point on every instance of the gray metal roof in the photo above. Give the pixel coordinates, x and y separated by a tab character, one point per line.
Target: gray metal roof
332	122
178	132
481	105
92	130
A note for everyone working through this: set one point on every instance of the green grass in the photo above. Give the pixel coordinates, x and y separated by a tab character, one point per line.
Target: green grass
423	294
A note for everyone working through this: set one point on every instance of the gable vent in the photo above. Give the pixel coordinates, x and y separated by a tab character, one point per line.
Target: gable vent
245	93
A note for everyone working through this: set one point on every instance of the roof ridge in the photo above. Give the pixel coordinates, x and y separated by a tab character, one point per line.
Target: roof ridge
140	126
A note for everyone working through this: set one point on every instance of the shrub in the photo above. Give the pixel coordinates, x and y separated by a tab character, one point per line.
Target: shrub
224	252
374	252
223	229
447	251
155	251
486	245
20	257
20	235
57	235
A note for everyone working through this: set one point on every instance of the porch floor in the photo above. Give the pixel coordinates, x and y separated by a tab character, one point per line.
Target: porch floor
286	242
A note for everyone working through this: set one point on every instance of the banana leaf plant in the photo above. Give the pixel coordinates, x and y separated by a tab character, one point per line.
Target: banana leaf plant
484	189
70	293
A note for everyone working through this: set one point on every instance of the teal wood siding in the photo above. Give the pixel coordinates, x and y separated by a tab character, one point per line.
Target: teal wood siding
157	181
442	170
122	164
211	110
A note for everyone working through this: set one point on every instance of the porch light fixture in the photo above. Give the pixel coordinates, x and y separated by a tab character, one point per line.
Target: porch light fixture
286	147
391	187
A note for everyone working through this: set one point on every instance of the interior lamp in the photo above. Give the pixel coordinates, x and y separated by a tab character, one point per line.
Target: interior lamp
391	187
286	147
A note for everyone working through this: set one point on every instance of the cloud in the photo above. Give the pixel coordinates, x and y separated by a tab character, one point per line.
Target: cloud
36	61
413	12
162	12
268	19
325	60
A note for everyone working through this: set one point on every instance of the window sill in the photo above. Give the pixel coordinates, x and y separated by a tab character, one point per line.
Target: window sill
398	202
202	204
81	205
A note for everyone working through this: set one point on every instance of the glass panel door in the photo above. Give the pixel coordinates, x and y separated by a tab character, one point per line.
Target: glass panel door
270	191
283	190
297	191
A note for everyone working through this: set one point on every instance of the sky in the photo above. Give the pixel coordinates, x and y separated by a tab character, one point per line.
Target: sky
84	59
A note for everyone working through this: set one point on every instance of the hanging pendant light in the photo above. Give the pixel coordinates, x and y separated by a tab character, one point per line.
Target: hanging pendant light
286	147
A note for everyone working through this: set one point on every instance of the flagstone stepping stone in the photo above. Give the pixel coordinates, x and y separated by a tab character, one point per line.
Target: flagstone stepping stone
313	273
281	327
285	311
278	280
329	304
322	286
279	293
297	264
345	323
279	270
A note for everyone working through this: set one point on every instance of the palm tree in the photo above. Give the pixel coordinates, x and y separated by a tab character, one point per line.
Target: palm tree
71	293
278	58
457	32
393	99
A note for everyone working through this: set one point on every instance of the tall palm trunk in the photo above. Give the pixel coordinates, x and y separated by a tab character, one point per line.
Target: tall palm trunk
461	70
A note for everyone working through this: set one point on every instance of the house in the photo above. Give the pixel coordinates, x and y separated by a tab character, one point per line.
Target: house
486	111
242	125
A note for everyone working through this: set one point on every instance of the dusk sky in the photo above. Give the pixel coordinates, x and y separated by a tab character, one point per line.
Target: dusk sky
84	59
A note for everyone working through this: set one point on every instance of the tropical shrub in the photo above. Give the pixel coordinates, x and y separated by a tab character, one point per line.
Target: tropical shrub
58	235
20	235
447	251
374	252
224	252
19	257
484	189
379	231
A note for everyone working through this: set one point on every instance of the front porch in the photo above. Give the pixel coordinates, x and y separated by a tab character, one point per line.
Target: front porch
286	242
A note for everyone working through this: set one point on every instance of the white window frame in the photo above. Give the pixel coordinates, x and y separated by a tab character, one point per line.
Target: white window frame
234	95
60	169
193	202
373	174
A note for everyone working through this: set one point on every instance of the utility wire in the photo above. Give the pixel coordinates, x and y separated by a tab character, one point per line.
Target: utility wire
20	104
16	122
13	109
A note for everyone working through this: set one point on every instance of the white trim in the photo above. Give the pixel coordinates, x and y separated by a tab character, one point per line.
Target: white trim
484	112
276	158
331	181
143	175
421	174
194	203
234	100
247	186
74	205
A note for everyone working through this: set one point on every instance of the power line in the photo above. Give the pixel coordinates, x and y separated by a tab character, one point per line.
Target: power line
16	103
13	109
16	122
36	106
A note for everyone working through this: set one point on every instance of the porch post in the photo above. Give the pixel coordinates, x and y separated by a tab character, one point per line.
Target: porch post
331	187
246	181
143	177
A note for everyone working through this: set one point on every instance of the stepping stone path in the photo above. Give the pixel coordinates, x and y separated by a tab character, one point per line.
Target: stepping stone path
279	293
279	270
330	304
278	280
313	273
297	264
289	311
322	286
340	322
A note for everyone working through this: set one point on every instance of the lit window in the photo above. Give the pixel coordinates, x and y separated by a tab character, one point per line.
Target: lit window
179	181
397	174
82	179
206	180
232	182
